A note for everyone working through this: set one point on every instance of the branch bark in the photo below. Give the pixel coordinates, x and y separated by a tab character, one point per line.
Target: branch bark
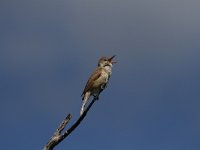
58	136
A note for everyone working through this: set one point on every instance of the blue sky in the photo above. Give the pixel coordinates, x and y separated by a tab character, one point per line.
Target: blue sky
49	48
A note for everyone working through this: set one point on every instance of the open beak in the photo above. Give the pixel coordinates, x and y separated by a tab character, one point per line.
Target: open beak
111	58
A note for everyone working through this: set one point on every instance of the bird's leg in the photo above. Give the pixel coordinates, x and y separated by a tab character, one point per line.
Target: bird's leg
96	97
103	87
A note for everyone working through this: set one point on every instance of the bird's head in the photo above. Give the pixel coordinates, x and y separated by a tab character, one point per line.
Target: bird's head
104	61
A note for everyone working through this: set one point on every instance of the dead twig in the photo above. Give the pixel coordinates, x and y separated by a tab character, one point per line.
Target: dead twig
58	136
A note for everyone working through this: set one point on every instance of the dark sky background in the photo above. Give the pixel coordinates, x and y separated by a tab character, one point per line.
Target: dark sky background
48	49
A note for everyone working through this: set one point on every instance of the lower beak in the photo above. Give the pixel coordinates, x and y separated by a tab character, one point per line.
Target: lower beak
110	59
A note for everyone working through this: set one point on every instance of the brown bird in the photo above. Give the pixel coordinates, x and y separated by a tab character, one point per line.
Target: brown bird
98	80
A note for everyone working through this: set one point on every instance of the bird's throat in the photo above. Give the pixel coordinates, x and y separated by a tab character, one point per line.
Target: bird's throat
108	68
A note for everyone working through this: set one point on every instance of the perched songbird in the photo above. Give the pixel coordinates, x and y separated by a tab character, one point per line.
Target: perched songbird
98	80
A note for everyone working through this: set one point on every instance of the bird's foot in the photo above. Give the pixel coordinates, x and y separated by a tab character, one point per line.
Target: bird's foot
96	97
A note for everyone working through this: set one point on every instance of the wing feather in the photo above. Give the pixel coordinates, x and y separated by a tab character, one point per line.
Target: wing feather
94	76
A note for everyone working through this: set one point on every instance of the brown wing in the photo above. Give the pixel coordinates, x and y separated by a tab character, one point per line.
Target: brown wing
95	75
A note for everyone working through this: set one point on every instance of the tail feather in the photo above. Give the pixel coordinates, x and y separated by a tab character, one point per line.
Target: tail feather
85	100
81	111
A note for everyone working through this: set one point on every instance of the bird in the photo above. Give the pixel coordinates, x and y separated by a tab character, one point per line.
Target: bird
98	80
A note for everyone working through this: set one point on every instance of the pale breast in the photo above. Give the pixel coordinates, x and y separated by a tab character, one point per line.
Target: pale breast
101	81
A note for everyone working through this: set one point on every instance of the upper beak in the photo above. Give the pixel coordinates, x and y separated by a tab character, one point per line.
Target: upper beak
110	59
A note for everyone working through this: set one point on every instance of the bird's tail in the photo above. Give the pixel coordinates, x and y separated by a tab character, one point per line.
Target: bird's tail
85	100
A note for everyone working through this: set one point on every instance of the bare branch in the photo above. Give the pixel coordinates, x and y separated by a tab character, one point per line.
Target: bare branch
58	137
